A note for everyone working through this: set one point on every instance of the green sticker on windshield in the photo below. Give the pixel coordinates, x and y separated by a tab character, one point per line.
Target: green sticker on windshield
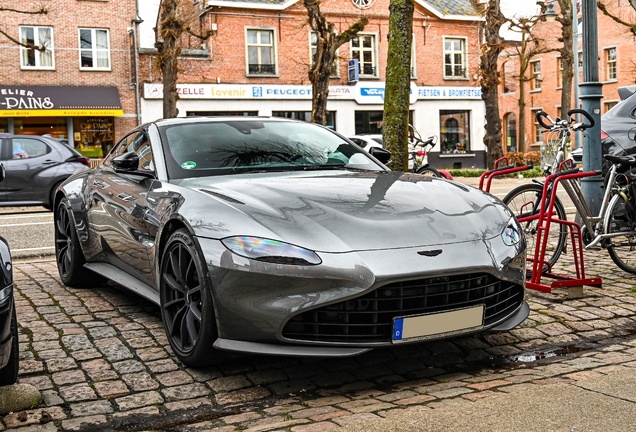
188	165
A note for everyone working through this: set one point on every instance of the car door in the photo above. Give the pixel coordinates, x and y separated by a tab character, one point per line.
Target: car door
119	216
31	167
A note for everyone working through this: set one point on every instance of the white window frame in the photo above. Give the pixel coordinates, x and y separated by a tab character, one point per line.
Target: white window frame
413	59
608	63
374	52
336	60
37	53
559	68
274	47
452	52
535	82
93	48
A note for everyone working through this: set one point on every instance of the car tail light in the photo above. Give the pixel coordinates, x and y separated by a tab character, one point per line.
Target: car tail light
83	160
604	135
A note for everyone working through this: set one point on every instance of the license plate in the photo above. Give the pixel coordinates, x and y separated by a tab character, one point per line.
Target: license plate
422	327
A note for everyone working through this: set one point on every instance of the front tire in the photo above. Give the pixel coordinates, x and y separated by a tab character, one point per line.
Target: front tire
9	374
186	302
526	200
68	252
621	249
429	172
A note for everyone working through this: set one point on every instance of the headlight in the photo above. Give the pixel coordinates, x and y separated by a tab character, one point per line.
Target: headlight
272	251
511	235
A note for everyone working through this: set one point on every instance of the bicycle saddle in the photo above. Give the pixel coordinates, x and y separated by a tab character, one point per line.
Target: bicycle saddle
624	160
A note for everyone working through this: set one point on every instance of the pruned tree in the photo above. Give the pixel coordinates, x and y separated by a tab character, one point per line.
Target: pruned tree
567	55
529	47
172	24
327	43
42	10
395	123
490	52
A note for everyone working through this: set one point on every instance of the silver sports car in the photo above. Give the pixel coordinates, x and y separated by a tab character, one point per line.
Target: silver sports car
274	236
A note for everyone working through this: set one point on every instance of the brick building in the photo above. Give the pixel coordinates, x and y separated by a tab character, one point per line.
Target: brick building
81	88
617	68
257	60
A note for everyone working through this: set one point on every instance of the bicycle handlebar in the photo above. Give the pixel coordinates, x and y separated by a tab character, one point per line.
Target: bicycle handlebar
584	114
540	115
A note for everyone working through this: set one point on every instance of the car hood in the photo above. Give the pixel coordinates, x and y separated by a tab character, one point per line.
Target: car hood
345	211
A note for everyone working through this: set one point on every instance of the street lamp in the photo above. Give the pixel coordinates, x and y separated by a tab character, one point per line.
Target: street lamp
550	14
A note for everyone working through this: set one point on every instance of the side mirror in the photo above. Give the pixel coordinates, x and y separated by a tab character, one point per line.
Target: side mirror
2	173
380	154
126	162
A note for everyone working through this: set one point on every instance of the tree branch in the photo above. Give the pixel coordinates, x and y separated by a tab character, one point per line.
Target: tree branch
41	11
603	8
17	42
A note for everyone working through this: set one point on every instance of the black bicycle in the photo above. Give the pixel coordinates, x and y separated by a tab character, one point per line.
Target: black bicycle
418	159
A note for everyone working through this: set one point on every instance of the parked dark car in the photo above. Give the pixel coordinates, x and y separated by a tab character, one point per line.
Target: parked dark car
35	166
274	236
9	356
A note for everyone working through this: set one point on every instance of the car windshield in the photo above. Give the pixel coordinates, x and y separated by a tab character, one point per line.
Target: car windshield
226	147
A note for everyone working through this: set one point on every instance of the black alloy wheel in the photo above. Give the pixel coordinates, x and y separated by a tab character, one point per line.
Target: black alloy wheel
68	252
186	303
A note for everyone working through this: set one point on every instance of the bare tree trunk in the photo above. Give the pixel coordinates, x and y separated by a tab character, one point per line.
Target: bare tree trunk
327	43
567	55
521	146
395	132
170	30
490	81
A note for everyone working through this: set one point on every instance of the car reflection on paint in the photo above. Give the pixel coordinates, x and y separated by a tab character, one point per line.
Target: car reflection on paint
280	237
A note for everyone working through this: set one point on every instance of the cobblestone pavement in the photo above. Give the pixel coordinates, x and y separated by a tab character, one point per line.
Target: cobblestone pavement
102	362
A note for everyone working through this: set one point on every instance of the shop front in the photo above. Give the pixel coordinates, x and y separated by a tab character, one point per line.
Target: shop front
454	114
83	116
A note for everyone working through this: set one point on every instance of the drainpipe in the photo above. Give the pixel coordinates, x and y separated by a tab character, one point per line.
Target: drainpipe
136	23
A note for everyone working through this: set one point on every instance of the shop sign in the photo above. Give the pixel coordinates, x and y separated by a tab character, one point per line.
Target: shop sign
353	70
238	91
448	93
34	101
373	93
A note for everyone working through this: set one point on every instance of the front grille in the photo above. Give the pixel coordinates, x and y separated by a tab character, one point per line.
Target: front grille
369	318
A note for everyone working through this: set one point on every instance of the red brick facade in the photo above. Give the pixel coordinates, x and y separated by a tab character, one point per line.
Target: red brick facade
66	17
611	36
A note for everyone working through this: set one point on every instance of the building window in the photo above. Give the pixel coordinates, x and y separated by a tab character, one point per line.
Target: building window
363	49
559	76
454	58
610	57
535	82
455	131
413	58
537	137
306	116
37	37
94	49
508	77
510	121
580	61
261	59
610	105
313	46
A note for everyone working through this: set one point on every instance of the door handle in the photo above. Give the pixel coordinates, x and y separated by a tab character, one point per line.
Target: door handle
48	162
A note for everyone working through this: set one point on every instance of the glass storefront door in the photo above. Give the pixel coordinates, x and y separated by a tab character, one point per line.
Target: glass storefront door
93	136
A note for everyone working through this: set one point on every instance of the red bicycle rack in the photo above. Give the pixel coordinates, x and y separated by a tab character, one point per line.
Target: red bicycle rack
546	217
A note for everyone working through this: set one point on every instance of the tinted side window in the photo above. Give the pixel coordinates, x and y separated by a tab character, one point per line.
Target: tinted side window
24	148
136	142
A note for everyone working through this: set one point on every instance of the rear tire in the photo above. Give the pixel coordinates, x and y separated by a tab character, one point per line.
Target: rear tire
187	307
68	252
9	374
621	249
522	200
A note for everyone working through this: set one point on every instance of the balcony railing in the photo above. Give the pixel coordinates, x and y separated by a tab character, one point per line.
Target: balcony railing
262	69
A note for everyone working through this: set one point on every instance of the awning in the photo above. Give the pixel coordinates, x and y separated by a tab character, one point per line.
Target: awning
41	101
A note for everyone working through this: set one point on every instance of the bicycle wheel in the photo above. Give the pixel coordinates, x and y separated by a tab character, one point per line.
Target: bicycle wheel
430	172
525	200
622	249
